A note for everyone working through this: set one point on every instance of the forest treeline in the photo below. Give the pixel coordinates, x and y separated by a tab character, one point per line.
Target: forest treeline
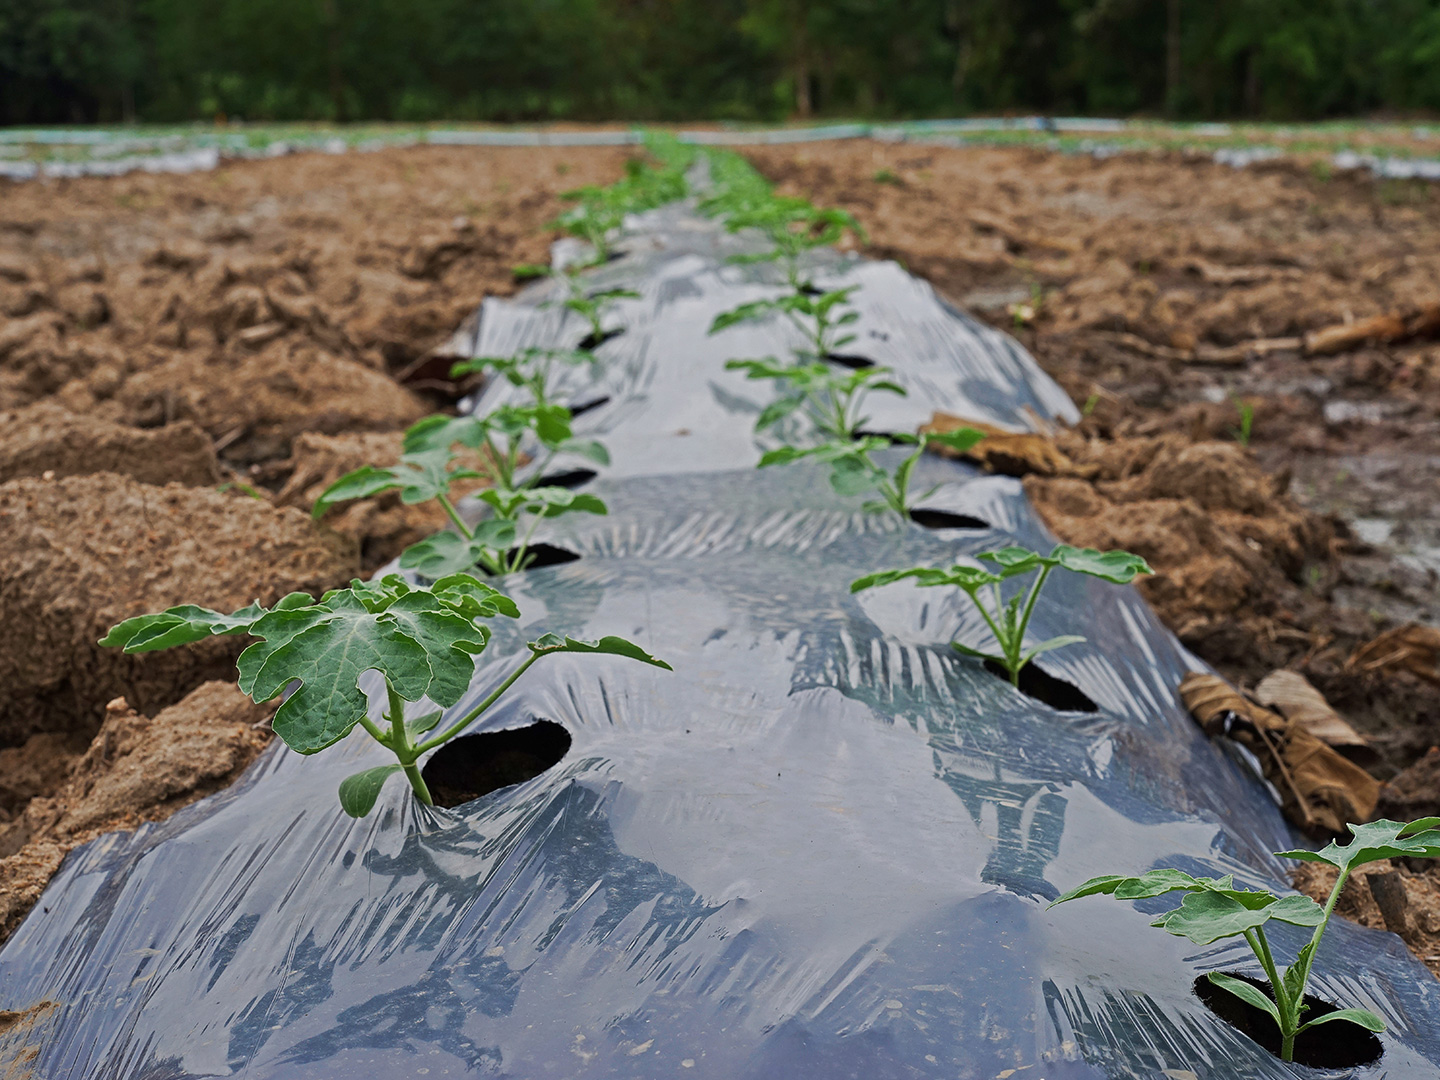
415	60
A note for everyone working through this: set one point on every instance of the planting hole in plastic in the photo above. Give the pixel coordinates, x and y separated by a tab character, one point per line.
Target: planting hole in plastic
591	342
854	363
570	478
944	519
474	765
544	555
586	406
1336	1045
1042	686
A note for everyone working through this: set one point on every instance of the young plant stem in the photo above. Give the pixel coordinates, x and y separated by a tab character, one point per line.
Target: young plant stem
454	515
1025	617
400	744
1307	958
475	713
522	549
994	629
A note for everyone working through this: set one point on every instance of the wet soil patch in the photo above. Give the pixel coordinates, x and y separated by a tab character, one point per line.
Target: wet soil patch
1047	688
1336	1045
466	768
944	519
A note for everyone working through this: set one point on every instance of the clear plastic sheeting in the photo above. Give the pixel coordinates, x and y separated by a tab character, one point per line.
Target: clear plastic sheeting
820	849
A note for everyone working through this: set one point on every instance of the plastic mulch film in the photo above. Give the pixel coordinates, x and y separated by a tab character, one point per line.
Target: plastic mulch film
820	848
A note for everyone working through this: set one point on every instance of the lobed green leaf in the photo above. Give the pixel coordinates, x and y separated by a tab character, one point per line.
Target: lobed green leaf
1378	840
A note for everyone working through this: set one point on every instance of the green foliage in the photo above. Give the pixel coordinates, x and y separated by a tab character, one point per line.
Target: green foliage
831	399
1213	909
68	60
821	317
1009	619
532	369
600	211
422	641
593	308
426	471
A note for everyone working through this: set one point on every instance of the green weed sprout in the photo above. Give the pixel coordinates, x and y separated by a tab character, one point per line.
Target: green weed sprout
425	471
422	641
1247	421
1213	908
1009	619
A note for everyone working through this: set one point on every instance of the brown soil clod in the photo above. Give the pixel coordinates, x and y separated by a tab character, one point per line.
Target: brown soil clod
81	553
46	439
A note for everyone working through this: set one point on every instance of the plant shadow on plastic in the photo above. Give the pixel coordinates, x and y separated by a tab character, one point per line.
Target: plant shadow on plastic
475	765
1329	1046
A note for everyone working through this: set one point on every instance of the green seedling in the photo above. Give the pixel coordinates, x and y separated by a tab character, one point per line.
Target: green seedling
831	399
427	471
821	318
1009	619
422	641
496	544
593	309
599	211
531	369
1213	908
853	471
886	176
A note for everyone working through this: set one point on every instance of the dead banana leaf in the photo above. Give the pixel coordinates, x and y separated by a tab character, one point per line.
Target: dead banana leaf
1320	791
1009	453
1290	694
1411	648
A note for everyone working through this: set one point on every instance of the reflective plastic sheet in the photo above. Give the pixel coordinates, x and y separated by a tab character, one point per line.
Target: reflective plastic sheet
820	848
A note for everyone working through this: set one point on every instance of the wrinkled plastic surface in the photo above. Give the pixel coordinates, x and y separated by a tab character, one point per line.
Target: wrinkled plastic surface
821	848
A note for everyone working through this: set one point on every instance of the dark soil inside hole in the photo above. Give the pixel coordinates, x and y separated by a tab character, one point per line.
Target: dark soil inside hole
1337	1045
944	519
570	478
545	555
586	406
594	341
854	363
474	765
1044	687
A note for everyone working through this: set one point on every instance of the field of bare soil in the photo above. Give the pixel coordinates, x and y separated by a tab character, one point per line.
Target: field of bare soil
186	361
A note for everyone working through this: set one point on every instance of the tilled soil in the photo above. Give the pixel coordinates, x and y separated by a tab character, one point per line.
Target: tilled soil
267	326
